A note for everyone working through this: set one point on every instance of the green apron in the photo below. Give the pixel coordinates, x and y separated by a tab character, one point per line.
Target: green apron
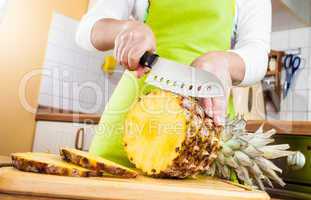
184	31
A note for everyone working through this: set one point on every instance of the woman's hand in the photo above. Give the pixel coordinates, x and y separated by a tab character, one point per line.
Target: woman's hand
218	64
131	43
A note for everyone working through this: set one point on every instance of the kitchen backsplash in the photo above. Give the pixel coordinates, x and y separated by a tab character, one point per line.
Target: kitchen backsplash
72	77
297	105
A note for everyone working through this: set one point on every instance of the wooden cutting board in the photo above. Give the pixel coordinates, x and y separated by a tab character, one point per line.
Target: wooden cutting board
16	182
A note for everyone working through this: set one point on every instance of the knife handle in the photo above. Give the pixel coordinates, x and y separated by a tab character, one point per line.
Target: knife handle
148	59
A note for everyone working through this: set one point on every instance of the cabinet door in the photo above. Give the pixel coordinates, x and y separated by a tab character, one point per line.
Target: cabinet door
89	132
297	143
50	136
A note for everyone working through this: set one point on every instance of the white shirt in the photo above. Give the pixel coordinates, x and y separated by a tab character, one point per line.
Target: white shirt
253	30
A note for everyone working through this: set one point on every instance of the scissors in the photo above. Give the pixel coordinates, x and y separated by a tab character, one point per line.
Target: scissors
291	64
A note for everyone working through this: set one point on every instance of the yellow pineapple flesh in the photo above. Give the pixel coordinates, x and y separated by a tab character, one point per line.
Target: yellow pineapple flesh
167	135
48	164
96	163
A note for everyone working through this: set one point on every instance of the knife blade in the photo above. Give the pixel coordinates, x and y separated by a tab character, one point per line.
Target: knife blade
181	79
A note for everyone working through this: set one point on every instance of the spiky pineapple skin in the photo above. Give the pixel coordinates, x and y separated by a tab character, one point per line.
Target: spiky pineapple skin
200	146
87	161
21	162
224	152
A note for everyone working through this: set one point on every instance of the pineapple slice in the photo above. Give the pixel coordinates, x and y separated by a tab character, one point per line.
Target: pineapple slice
96	163
48	164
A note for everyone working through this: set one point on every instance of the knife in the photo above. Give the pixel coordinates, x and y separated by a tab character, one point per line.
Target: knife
181	79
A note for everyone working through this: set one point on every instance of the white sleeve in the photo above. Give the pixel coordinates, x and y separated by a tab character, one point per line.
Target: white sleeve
253	38
115	9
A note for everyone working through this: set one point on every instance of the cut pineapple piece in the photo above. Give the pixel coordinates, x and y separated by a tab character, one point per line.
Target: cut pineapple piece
48	164
169	136
93	162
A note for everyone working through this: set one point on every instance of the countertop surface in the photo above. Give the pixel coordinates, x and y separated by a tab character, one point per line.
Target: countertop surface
302	128
282	127
54	114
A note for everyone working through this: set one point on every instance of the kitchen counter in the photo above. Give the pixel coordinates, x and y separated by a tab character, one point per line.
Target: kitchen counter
282	127
52	114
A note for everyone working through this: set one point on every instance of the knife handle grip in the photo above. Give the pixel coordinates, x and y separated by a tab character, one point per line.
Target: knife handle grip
148	59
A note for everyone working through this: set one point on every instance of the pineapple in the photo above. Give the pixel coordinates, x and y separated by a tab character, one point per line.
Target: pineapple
95	163
48	164
167	135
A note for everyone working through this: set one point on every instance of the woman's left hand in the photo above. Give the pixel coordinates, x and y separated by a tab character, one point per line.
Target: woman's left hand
217	64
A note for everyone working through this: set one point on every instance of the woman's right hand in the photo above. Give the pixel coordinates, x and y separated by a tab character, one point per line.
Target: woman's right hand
131	43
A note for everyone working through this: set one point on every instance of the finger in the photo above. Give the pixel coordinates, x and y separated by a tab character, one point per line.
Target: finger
116	46
120	46
207	106
125	50
134	56
219	110
124	56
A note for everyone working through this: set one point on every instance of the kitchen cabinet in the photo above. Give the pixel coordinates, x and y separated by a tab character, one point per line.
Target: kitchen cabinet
298	180
302	144
298	135
290	14
50	136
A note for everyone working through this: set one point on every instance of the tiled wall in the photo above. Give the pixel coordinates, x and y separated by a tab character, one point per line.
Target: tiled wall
72	77
297	105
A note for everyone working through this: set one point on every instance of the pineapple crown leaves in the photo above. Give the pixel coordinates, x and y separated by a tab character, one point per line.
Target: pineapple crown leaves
248	155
